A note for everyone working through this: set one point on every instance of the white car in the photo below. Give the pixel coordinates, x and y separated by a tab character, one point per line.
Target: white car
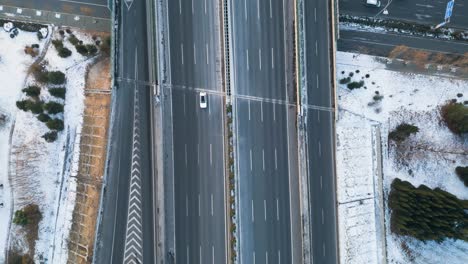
203	100
375	3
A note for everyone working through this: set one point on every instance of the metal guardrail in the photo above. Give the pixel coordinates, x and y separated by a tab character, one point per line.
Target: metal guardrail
227	62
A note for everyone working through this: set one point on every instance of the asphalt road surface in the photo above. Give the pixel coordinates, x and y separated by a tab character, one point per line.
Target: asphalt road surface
430	12
320	131
197	143
130	153
265	123
94	8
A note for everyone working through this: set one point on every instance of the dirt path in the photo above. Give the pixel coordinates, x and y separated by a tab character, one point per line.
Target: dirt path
92	162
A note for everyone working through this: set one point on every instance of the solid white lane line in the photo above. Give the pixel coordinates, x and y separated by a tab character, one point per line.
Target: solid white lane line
211	154
277	209
186	160
321	185
194	54
260	58
272	59
261	110
315	14
263	159
186	205
247	52
251	160
249	109
317	81
323	218
253	217
212	205
276	160
258	9
264	209
199	206
207	61
182	52
316	48
271	11
245	9
320	149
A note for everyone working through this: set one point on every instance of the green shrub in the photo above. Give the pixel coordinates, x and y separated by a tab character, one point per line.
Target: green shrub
39	72
53	108
81	49
50	136
355	85
91	49
56	77
427	214
64	52
73	40
106	46
43	117
55	124
20	218
57	92
58	44
455	116
345	80
462	173
32	90
377	97
402	132
23	105
35	107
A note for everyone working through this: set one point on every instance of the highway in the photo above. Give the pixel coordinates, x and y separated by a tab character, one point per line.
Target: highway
320	133
94	8
126	233
265	116
194	137
421	11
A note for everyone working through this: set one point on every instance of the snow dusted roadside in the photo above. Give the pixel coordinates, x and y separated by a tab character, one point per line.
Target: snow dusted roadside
411	98
13	69
42	173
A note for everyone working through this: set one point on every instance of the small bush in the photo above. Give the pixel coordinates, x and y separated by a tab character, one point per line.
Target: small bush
23	105
14	257
73	39
355	85
402	132
53	108
39	72
64	52
55	124
43	117
58	44
106	46
56	77
377	97
57	92
81	49
50	136
61	32
35	107
345	80
462	173
68	31
91	49
33	52
455	116
32	90
20	218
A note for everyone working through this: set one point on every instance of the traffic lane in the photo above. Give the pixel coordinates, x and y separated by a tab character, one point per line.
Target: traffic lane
318	54
421	11
194	38
258	47
265	231
352	40
96	8
322	187
199	178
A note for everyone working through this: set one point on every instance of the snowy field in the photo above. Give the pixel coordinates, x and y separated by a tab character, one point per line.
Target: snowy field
434	154
13	70
41	172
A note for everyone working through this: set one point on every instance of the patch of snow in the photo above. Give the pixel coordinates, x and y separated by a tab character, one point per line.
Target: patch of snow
407	97
13	69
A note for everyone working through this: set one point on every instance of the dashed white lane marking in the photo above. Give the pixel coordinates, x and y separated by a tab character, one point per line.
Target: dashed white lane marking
185	106
258	9
194	54
263	159
199	205
324	249
133	252
261	111
212	254
317	77
274	112
188	255
205	7
253	257
320	149
318	116
200	255
249	110
279	257
251	164
316	48
245	9
264	209
182	52
276	159
207	60
272	59
247	54
212	207
271	11
315	14
211	154
323	218
266	257
186	205
253	217
321	185
260	58
198	154
192	7
277	209
186	159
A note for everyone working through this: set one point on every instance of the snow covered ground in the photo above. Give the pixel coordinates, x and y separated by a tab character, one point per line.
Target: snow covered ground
13	70
41	171
407	97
